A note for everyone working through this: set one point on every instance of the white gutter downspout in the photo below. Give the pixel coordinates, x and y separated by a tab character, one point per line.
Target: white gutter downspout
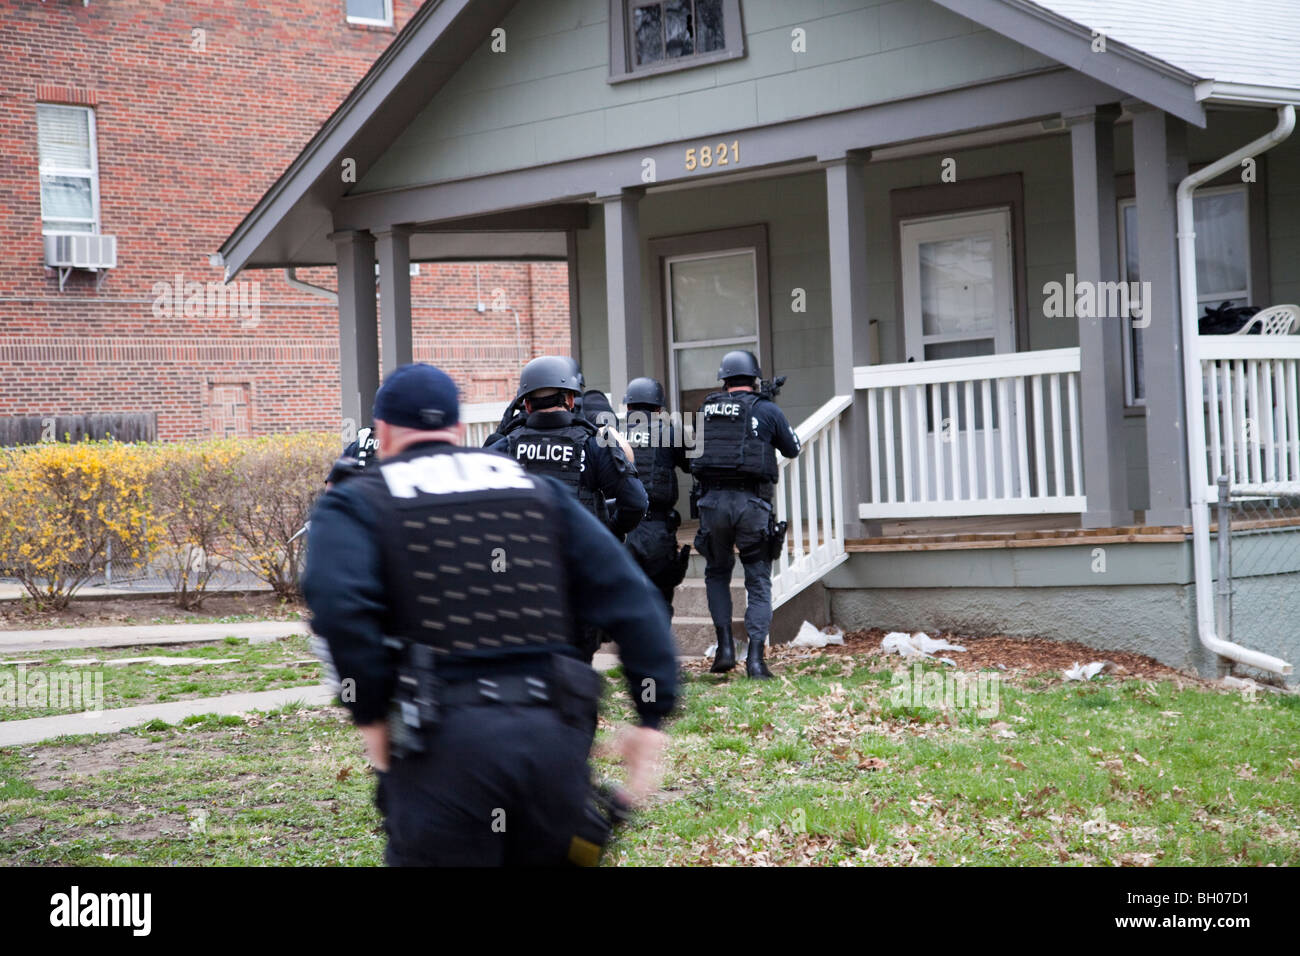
1194	393
291	277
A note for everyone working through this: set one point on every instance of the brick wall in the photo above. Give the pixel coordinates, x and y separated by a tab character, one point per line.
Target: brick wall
192	128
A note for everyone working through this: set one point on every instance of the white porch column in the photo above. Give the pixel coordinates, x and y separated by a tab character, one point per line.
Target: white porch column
623	289
358	325
394	249
1101	356
846	217
1160	163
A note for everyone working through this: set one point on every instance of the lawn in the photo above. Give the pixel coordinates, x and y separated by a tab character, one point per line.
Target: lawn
825	766
267	665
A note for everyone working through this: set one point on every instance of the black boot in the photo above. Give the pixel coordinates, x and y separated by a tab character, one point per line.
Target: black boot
724	659
754	666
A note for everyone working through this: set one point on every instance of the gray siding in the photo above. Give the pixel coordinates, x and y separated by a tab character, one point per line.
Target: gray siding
546	98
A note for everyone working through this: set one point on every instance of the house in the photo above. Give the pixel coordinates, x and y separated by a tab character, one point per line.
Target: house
953	224
135	136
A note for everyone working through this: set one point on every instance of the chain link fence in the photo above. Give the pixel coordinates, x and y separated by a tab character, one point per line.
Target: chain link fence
1257	587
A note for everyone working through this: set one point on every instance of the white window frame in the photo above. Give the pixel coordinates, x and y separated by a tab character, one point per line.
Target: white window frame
369	21
1202	297
756	340
49	224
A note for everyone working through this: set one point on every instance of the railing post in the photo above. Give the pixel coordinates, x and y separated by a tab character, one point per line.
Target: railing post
1223	590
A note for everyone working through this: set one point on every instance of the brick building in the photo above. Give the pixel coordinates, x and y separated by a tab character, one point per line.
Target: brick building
162	123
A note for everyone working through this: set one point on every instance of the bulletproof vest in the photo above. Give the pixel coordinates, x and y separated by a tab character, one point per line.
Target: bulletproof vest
558	450
729	446
471	560
650	439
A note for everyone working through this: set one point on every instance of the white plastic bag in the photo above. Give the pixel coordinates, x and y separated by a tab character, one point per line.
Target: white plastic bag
810	636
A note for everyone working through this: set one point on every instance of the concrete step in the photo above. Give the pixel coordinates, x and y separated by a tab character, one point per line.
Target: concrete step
691	599
695	634
695	569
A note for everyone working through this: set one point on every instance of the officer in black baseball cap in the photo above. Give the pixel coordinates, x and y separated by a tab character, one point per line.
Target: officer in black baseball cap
450	584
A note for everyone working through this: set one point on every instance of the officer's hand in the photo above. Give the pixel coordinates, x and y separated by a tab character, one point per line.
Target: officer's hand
640	748
376	738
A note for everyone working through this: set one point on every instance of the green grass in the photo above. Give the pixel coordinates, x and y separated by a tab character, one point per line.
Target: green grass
822	767
261	666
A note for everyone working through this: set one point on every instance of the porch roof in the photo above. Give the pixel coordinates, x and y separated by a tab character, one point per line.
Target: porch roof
1163	59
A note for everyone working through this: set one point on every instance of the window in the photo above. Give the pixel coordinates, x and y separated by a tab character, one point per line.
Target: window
652	37
69	168
1222	225
712	310
375	12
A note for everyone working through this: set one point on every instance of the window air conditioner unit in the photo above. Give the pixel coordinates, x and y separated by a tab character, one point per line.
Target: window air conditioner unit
66	251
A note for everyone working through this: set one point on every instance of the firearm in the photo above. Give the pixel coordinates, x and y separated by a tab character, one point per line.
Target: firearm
414	708
605	811
771	388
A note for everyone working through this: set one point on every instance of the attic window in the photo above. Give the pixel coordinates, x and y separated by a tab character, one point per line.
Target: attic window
656	36
377	13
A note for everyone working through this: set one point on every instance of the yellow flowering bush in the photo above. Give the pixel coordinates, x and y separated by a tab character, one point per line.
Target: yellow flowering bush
63	507
195	487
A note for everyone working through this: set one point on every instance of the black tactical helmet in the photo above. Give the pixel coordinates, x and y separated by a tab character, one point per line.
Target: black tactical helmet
645	391
739	364
550	371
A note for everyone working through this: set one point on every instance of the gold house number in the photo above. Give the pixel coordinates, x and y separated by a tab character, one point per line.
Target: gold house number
705	157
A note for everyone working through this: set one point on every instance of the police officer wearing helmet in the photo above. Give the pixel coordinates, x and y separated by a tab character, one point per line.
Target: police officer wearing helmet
514	415
555	441
741	431
448	583
658	453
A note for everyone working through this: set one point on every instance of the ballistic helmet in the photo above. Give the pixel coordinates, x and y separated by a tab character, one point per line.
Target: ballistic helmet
550	371
644	391
739	364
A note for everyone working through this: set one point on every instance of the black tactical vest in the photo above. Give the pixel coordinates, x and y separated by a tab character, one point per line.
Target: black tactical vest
560	452
471	560
729	446
651	441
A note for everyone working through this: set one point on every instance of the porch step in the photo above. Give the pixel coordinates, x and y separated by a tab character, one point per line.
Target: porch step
696	634
691	600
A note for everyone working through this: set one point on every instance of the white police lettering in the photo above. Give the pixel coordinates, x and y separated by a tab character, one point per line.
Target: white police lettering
75	908
453	474
730	409
639	439
531	452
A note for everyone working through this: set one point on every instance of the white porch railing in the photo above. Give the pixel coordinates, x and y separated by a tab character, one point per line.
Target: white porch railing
481	419
810	496
995	434
1251	384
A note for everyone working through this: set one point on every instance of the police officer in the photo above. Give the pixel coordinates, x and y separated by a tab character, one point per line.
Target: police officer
737	472
448	582
554	441
356	455
658	452
514	415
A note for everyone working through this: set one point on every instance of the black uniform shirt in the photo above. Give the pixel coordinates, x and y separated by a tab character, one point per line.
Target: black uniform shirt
344	587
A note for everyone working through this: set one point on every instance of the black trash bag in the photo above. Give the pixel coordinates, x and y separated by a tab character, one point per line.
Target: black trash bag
1227	320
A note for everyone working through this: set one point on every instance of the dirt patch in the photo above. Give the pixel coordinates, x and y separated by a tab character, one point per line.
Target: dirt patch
53	767
151	609
1028	656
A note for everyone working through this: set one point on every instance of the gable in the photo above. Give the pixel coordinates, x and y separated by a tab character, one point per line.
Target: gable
548	98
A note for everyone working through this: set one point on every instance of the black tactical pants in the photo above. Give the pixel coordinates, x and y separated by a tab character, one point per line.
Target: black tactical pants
499	785
734	520
653	544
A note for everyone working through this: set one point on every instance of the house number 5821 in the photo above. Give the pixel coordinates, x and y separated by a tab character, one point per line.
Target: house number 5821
705	157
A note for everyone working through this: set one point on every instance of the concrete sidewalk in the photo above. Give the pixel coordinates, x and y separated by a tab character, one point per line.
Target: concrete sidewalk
15	732
129	635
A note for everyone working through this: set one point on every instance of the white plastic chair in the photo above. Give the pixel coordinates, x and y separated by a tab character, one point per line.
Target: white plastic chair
1275	320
